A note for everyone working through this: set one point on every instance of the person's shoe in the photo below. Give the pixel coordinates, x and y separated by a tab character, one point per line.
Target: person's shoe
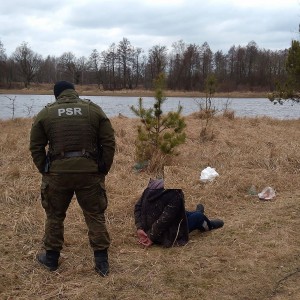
216	223
49	259
101	262
200	207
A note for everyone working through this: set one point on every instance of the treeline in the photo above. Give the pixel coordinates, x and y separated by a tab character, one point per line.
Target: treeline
123	66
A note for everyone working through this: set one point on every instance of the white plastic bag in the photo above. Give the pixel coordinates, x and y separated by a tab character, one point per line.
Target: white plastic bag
208	174
267	193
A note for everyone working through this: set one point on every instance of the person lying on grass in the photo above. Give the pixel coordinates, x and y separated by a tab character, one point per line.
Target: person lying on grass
161	218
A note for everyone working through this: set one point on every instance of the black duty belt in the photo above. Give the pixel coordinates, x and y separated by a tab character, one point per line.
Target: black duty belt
69	154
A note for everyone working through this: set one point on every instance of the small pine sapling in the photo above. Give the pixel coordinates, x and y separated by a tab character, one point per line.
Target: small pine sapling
159	132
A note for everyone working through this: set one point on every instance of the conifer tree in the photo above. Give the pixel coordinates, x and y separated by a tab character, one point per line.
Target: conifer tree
290	90
158	132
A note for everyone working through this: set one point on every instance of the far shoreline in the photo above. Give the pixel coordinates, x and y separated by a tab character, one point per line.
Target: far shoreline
94	91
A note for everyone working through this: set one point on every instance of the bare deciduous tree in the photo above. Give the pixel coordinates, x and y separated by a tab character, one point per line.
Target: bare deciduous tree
28	62
125	59
157	62
3	59
109	67
94	65
67	67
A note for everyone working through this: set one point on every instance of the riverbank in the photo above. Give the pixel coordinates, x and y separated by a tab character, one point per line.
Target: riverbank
93	90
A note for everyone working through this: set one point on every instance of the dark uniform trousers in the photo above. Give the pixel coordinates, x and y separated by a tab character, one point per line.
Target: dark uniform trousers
57	191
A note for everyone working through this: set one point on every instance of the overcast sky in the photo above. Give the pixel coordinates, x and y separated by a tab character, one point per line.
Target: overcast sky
52	27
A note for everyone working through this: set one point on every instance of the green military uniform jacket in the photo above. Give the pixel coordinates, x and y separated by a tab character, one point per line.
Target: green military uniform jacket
68	105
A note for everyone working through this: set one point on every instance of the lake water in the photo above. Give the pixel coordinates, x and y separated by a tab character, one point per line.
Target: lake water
30	105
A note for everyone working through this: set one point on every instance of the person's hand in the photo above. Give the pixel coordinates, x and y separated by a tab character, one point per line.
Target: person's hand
142	235
143	238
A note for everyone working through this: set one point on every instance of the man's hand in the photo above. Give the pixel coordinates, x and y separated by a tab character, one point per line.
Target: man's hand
143	238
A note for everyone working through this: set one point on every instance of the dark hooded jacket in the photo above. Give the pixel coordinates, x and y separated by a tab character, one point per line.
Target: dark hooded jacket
161	214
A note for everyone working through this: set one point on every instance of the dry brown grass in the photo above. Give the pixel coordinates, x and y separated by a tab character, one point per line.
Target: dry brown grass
93	90
255	255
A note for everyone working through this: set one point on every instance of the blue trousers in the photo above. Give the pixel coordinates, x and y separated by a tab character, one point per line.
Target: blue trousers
197	220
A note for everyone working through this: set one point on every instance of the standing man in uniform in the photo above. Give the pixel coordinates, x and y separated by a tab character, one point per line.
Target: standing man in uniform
80	146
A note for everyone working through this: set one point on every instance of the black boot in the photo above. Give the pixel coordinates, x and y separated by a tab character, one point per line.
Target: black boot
49	259
101	262
216	223
200	207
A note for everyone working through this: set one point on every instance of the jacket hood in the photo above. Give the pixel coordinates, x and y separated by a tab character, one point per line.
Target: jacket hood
155	189
156	184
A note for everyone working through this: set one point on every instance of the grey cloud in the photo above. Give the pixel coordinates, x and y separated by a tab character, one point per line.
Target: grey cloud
21	7
86	23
